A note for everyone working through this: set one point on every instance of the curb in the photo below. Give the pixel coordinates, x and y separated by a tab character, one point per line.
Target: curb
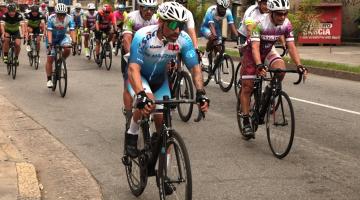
26	177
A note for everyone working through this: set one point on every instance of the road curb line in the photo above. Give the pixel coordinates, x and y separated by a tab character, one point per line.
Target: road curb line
28	185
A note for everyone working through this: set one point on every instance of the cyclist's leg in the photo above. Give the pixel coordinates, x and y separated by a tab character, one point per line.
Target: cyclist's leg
37	31
209	36
66	41
132	133
274	61
49	62
98	39
29	30
6	44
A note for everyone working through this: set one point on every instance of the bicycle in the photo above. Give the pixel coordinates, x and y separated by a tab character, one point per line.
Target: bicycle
91	44
222	69
272	107
33	54
59	72
237	81
105	52
181	87
11	63
168	148
78	47
118	43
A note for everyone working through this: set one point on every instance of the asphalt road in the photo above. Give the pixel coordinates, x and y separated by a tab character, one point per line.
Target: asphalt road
323	163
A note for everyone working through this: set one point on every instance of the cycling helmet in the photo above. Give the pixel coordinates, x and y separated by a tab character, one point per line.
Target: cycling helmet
148	3
278	5
181	1
224	3
78	6
120	6
60	8
91	6
11	7
172	11
34	8
2	4
107	8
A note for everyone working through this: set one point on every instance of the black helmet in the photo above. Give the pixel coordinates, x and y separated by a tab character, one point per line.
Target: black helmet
11	7
34	8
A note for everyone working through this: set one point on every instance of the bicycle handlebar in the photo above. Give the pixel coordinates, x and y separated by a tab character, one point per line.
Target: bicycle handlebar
288	71
284	50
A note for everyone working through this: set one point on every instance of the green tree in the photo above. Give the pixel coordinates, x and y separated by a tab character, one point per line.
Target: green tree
304	18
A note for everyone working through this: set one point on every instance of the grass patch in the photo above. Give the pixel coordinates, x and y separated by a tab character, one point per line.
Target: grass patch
328	65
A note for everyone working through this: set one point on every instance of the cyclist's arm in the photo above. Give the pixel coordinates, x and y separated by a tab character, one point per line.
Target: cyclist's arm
233	29
97	26
127	38
293	52
255	47
196	74
193	37
212	29
230	20
135	77
72	30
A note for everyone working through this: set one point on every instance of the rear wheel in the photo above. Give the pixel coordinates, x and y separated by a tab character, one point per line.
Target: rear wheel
226	73
280	125
62	77
174	173
9	62
13	63
91	47
185	91
54	77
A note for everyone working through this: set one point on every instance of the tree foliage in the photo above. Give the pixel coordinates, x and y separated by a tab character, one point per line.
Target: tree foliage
305	18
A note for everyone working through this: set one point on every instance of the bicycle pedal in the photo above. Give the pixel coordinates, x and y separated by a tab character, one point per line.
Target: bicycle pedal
126	160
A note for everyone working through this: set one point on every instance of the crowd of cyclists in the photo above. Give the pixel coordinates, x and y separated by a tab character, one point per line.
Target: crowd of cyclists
152	36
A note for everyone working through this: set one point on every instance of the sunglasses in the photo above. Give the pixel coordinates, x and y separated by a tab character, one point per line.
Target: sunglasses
61	14
280	14
173	25
146	8
107	12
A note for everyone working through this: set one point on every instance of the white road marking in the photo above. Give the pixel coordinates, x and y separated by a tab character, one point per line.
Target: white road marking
326	106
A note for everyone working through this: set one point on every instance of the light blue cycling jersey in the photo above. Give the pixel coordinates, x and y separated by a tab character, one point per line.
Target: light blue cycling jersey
153	55
59	28
78	17
212	17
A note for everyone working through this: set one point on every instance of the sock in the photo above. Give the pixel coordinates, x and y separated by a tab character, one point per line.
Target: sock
49	78
134	128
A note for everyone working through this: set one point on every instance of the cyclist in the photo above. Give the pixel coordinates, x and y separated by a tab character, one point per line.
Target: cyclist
152	49
77	15
3	10
212	23
119	16
105	23
36	24
58	24
261	53
252	16
135	20
43	9
89	24
10	25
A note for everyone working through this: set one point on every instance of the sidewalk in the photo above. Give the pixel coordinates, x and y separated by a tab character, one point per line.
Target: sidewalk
33	164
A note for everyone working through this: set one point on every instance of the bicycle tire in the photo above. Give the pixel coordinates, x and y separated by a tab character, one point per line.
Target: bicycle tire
31	61
237	82
137	184
37	60
13	64
274	130
62	77
79	45
117	47
226	85
175	144
185	110
108	54
101	56
9	62
239	114
73	50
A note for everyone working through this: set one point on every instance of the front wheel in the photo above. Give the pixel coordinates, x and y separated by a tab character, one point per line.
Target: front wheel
237	81
108	56
174	173
280	125
36	60
62	77
91	47
185	91
226	73
13	64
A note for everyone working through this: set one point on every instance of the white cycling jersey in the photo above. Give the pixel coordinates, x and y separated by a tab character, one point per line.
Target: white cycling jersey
252	16
134	22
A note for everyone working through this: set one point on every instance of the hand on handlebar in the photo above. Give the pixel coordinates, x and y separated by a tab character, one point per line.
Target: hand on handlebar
303	70
261	70
144	103
202	100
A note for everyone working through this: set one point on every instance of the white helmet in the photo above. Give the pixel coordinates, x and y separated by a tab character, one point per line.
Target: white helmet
148	3
60	8
91	6
275	5
224	3
172	11
78	5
